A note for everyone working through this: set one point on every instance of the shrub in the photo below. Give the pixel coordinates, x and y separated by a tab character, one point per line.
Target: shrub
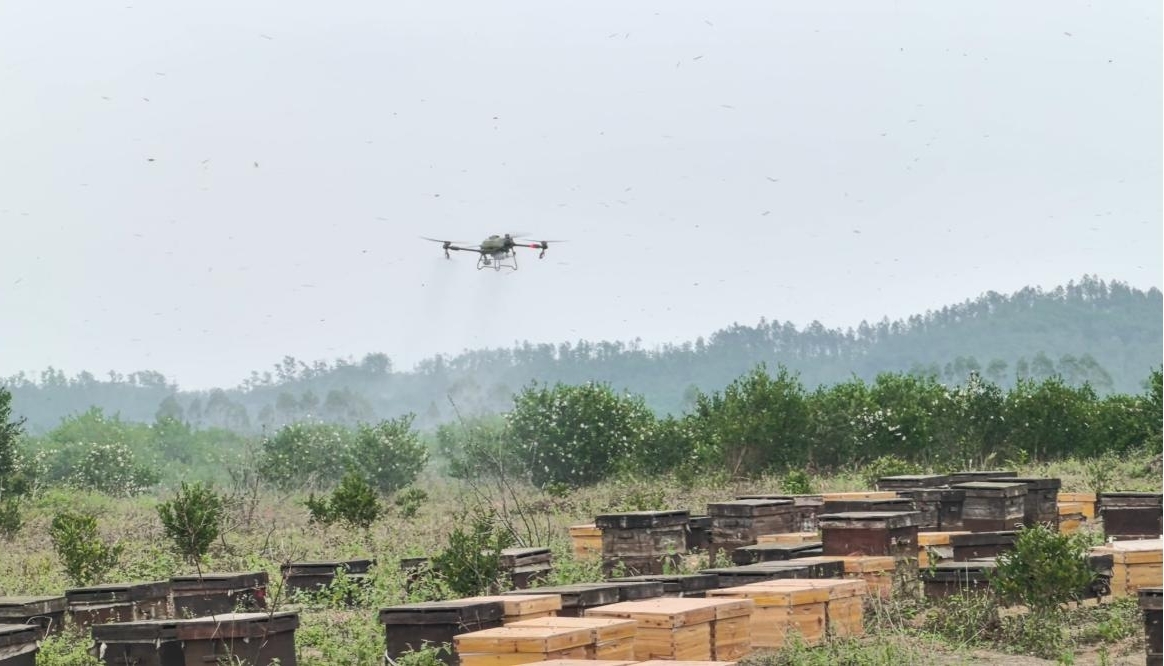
796	482
193	519
390	453
1044	570
353	502
409	501
87	559
111	468
471	564
965	619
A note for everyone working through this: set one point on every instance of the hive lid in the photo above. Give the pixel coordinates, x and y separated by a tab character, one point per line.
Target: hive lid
580	595
142	631
992	488
641	519
871	519
316	567
458	611
913	481
524	604
527	639
18	634
1038	483
676	582
775	593
602	629
118	592
219	581
750	507
665	612
237	625
982	538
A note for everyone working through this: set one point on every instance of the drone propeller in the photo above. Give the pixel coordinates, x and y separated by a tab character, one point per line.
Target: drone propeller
447	245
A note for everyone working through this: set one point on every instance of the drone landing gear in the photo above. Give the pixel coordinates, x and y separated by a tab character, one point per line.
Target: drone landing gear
497	261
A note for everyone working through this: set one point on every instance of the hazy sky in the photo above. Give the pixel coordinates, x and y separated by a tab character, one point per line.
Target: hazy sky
200	188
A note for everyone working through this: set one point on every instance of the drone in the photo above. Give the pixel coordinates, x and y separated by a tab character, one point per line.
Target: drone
495	252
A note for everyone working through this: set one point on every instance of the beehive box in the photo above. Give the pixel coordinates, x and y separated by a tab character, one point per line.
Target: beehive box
146	643
525	567
950	508
1131	515
676	585
863	495
578	597
877	571
1071	517
681	629
740	522
912	482
808	507
844	606
1042	500
517	608
507	646
782	608
870	533
643	542
992	506
312	576
699	533
769	571
972	545
928	503
118	602
1152	605
773	552
610	638
18	644
214	593
244	638
409	626
946	579
935	546
1135	564
1087	500
979	475
586	542
47	613
881	504
790	539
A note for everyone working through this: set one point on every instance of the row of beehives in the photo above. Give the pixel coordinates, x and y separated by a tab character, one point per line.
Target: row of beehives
187	619
628	621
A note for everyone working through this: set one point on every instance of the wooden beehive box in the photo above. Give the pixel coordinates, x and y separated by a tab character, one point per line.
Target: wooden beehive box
47	613
740	522
808	507
213	593
946	579
517	608
782	608
610	638
314	575
1071	517
668	628
790	539
145	643
1131	515
586	542
973	545
993	506
18	644
676	585
578	597
643	542
1135	564
1087	500
773	552
979	475
699	534
857	505
927	502
1042	500
877	571
934	546
410	626
844	612
912	482
762	572
950	509
508	646
525	567
118	602
245	638
1152	606
865	495
870	533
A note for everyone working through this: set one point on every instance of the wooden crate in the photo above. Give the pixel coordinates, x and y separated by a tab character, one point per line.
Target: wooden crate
1152	605
870	533
952	578
877	571
1131	515
782	608
844	610
47	613
912	481
213	593
516	608
242	638
934	546
972	545
1041	505
992	506
668	628
1135	564
312	576
409	626
586	541
525	567
118	602
739	522
808	507
790	539
1088	500
642	542
927	502
1071	517
18	644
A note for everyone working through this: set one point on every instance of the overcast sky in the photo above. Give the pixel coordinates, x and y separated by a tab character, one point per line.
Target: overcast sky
200	188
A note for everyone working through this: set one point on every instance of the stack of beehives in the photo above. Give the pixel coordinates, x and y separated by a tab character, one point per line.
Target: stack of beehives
803	607
686	629
1135	564
934	546
586	541
509	646
610	638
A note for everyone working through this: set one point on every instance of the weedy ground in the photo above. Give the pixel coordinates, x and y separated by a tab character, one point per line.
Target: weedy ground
274	529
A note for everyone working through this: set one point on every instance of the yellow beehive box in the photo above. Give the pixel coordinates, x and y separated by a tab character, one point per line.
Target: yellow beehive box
1071	517
860	495
526	606
668	628
934	546
1135	564
534	640
1086	500
610	638
790	539
586	541
782	608
876	570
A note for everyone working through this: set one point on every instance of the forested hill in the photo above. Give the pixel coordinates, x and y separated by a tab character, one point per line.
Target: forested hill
1104	333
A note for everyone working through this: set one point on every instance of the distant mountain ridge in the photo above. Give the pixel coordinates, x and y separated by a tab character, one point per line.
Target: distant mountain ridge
1105	333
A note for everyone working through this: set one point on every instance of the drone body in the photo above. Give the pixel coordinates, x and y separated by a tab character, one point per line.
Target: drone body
494	252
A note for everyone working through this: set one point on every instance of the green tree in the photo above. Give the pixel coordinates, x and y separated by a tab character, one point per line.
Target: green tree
1049	419
85	556
478	446
577	435
193	519
389	454
303	454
